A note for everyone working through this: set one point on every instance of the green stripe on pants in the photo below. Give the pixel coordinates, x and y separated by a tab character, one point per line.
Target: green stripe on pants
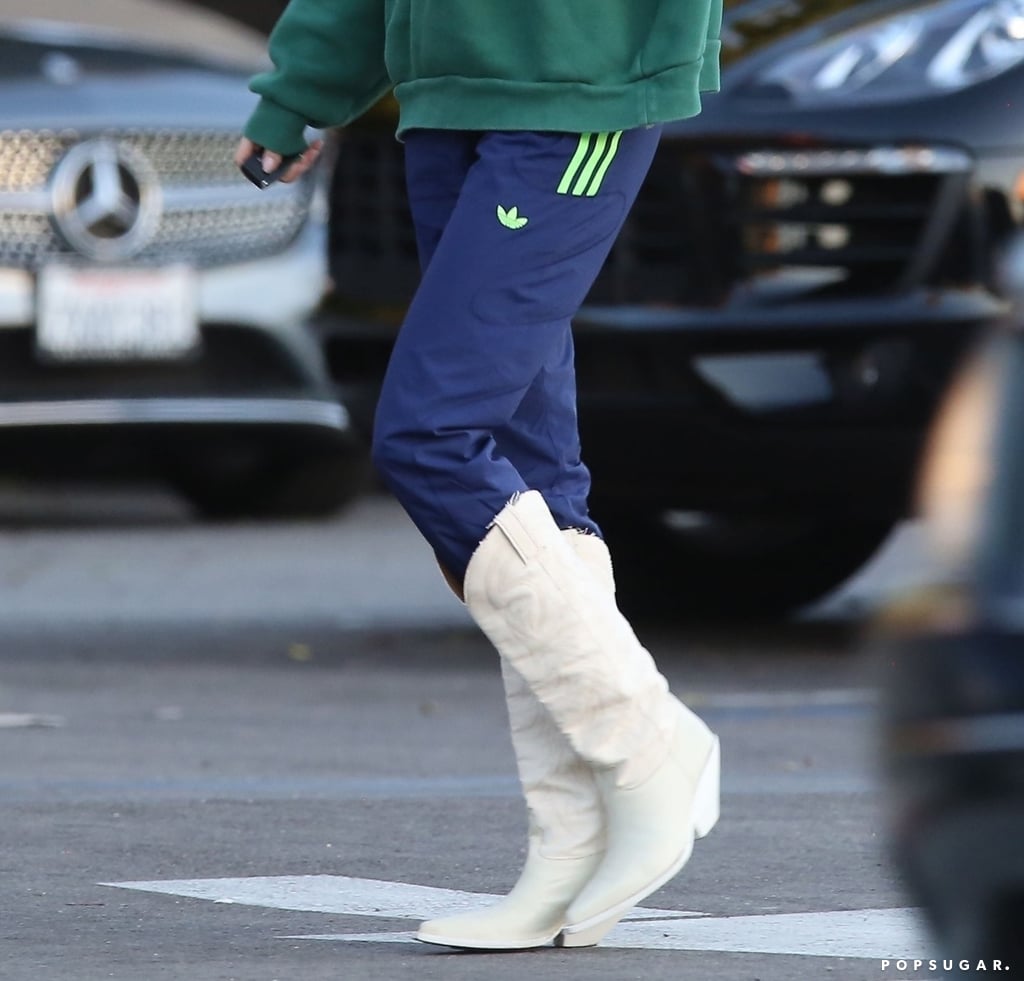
589	164
595	184
574	164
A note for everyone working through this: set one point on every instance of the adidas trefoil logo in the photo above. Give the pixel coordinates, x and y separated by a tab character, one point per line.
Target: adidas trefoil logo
510	218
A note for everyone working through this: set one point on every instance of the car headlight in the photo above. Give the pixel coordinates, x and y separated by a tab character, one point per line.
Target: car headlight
940	47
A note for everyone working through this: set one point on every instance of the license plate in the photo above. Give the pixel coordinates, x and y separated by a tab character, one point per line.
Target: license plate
87	314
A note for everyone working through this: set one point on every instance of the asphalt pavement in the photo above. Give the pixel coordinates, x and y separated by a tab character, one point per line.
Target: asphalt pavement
261	752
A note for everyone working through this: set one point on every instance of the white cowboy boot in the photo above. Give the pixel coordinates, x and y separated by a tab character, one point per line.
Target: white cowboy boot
566	837
656	763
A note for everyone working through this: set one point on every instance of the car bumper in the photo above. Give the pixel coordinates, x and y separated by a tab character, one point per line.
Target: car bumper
147	437
330	417
812	405
258	378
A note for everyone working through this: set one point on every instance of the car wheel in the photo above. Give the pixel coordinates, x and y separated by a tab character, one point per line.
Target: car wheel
700	566
312	488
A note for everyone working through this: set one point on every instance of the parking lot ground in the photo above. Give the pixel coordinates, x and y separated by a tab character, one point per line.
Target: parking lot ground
255	786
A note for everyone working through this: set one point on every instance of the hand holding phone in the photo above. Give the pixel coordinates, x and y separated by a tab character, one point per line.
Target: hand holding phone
252	168
249	158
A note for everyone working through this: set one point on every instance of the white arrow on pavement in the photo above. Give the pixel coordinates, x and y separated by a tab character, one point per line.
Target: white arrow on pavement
869	933
339	894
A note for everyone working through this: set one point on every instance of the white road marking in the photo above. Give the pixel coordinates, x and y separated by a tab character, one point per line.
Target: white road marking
339	894
867	933
873	934
870	933
29	720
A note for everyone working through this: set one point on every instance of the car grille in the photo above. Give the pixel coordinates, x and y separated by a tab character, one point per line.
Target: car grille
710	225
724	223
210	216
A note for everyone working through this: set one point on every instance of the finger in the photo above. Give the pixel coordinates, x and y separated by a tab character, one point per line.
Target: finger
294	172
244	151
302	165
270	161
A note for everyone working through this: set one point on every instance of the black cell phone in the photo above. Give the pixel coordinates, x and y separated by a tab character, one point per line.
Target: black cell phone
253	168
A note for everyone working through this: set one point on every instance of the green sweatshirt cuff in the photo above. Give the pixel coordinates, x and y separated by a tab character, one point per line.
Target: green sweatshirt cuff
276	128
710	73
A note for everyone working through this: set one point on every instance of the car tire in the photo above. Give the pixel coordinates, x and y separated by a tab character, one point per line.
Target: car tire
275	490
734	567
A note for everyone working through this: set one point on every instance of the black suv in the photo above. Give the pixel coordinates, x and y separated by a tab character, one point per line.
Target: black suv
763	352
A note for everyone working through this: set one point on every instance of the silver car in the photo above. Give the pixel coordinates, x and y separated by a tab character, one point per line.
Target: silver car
153	303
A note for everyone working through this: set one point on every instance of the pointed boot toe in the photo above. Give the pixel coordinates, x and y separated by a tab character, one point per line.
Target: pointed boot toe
531	915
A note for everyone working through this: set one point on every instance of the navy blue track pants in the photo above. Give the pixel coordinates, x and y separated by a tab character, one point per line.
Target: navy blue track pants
479	399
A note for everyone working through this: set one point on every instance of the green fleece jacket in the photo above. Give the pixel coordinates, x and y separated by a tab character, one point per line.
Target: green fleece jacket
557	65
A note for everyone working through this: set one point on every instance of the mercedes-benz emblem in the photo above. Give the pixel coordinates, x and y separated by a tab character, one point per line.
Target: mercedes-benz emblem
106	199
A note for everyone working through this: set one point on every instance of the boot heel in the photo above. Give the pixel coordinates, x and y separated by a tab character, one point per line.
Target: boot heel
591	936
707	798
